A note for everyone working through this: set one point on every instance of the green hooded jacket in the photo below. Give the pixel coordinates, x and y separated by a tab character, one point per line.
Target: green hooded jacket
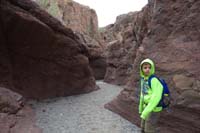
149	101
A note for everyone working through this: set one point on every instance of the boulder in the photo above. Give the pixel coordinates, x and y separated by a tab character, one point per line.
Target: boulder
41	58
15	115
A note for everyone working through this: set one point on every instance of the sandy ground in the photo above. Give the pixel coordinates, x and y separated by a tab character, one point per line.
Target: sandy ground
82	113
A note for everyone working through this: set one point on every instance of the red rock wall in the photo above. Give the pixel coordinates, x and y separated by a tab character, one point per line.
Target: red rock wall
123	39
84	23
15	115
42	58
172	40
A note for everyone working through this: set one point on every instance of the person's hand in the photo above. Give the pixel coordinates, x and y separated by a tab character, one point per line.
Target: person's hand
145	114
142	117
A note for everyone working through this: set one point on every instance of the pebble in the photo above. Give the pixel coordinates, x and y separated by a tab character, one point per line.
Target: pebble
83	113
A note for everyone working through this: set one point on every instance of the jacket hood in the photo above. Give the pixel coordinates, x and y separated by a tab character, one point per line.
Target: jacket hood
152	71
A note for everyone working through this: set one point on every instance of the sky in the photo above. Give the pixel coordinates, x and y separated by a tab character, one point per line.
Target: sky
108	10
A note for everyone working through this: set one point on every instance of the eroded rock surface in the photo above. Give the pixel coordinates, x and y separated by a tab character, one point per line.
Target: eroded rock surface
172	40
15	115
84	23
40	57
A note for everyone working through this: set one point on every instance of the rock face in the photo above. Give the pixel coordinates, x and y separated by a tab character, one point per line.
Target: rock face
123	39
97	58
40	58
80	18
73	15
83	21
171	38
15	116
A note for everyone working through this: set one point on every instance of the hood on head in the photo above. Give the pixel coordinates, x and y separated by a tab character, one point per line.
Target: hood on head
149	61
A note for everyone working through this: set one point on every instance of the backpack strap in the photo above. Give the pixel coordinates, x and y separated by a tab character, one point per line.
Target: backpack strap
150	78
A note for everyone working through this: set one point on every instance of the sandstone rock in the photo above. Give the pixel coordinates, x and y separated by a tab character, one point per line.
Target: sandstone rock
80	18
83	21
97	58
123	39
189	98
25	122
15	115
10	102
182	82
73	15
171	39
43	58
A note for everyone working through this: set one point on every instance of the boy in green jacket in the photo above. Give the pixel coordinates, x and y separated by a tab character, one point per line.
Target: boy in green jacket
149	98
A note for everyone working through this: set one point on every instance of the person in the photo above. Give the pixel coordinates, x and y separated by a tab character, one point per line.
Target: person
149	98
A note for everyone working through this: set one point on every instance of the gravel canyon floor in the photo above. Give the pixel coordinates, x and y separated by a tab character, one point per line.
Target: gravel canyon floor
82	113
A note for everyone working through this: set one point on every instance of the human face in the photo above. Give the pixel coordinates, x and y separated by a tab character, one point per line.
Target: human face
146	68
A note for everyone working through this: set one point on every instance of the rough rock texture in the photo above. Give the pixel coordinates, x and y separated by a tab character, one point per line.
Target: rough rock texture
83	21
40	58
172	40
75	16
122	39
80	18
97	58
15	116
